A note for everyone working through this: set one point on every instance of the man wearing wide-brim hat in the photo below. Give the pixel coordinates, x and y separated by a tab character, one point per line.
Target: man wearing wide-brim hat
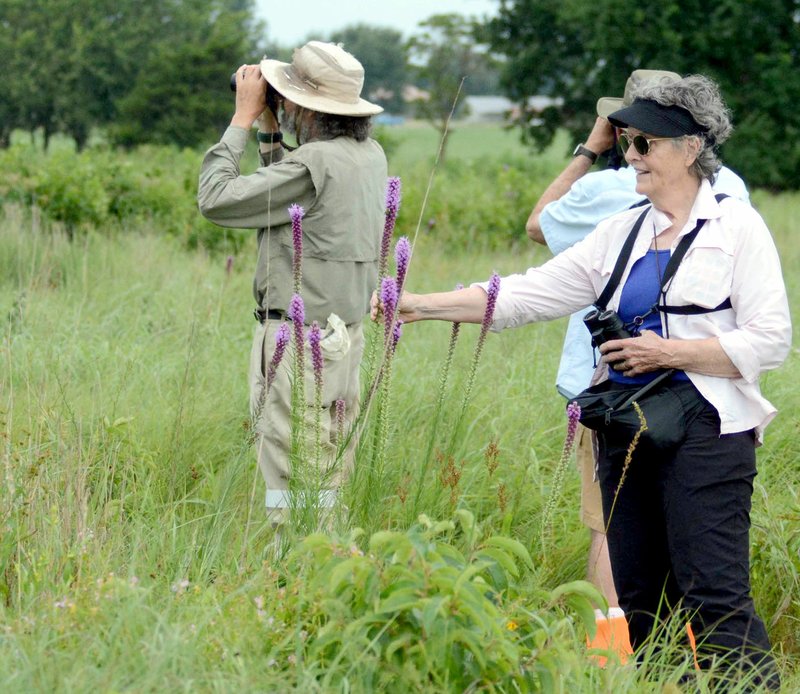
337	174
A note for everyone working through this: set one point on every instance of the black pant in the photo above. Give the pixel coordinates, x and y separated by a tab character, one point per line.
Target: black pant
678	536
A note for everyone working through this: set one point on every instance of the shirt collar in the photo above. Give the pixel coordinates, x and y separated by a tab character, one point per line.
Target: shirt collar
705	207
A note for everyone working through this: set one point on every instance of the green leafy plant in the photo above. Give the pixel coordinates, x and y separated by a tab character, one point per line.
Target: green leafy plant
440	604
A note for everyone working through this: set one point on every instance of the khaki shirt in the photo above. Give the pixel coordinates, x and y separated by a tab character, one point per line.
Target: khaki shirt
341	185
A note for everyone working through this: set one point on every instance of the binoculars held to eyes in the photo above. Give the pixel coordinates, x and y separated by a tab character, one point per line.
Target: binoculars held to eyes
272	95
605	326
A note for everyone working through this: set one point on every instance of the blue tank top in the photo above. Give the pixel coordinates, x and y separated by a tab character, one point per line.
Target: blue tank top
638	296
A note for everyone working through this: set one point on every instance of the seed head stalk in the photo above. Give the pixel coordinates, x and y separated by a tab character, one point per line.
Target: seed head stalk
437	413
628	457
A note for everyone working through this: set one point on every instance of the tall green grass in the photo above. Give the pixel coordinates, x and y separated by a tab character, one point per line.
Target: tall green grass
134	554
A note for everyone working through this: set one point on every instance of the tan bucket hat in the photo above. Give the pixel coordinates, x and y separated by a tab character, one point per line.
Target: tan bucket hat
321	77
606	105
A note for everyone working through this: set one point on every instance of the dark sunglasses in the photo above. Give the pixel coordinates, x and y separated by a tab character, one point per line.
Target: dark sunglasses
640	143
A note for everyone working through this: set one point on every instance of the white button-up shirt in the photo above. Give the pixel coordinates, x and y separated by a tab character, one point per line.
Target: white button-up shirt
733	256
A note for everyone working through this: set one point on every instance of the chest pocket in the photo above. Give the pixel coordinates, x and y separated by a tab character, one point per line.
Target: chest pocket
704	278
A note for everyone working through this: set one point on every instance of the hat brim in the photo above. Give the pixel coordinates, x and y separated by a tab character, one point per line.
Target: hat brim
283	79
606	105
654	119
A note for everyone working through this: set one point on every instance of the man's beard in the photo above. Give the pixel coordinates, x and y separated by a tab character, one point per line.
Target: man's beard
288	123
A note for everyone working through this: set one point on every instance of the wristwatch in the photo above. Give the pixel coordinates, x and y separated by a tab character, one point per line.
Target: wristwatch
269	137
586	152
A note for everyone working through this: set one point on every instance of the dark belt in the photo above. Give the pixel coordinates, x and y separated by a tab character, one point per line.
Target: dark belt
272	314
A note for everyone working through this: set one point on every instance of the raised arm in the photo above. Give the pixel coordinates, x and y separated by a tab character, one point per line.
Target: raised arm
461	306
600	139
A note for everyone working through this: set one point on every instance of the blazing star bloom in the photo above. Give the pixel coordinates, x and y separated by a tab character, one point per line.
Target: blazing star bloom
397	333
491	300
339	409
315	340
297	314
402	256
392	206
296	214
573	417
229	265
389	301
282	337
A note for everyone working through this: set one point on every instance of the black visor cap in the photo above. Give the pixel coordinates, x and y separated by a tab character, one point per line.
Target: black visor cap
654	119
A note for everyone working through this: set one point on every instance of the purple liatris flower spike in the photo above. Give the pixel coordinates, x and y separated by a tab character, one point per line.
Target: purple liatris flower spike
397	333
296	214
339	408
392	206
389	301
573	417
297	314
282	337
393	186
491	301
229	265
315	341
402	256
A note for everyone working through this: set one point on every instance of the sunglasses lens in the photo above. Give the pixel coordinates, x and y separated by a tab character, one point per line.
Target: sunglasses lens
624	142
641	144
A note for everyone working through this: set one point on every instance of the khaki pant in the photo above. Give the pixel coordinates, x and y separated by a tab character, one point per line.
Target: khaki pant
271	413
591	501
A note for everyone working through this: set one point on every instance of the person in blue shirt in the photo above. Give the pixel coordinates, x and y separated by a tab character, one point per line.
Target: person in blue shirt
575	202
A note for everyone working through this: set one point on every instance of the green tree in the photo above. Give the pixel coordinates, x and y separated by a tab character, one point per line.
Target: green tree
64	61
382	52
180	94
443	57
578	51
70	65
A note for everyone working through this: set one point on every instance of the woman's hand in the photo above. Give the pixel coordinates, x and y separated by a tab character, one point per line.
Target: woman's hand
649	352
251	95
405	307
638	355
460	306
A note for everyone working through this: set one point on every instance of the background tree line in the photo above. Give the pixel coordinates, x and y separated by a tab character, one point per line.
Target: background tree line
157	70
580	50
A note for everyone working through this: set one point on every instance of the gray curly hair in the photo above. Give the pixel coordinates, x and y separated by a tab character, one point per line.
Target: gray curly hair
701	97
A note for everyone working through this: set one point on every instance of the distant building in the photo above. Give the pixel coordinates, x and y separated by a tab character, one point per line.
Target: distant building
500	109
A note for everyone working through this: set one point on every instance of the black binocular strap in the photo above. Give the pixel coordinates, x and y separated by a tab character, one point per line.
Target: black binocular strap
622	261
672	267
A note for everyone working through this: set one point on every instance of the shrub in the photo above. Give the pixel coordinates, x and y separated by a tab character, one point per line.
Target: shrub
437	605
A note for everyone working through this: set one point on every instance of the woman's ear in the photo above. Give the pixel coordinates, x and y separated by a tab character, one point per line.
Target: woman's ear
693	145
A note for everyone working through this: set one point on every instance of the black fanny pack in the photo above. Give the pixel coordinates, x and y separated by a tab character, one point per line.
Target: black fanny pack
665	406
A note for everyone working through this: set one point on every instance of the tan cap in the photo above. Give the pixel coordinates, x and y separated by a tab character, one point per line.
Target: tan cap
608	104
321	77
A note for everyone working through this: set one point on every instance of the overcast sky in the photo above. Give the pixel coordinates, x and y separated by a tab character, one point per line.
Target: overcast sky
289	22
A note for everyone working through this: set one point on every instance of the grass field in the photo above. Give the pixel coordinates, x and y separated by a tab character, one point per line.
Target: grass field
134	555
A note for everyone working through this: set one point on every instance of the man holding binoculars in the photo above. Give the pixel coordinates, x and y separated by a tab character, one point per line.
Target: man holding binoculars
337	174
